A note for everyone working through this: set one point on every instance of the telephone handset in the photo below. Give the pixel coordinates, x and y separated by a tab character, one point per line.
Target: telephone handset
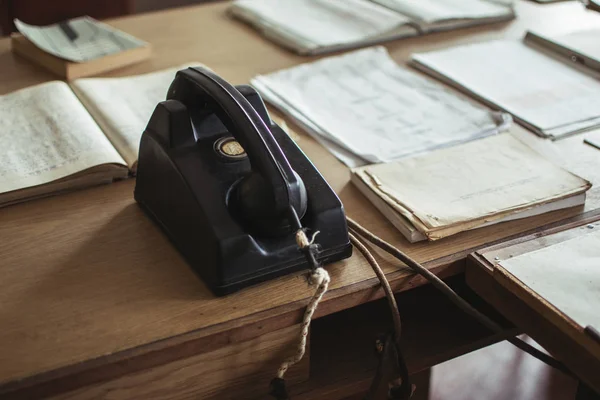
267	193
229	187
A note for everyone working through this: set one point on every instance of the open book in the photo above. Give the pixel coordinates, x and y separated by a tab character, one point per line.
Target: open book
318	26
57	137
480	183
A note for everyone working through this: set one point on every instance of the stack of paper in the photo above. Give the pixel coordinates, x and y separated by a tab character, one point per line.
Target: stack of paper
365	108
316	26
580	47
550	97
468	186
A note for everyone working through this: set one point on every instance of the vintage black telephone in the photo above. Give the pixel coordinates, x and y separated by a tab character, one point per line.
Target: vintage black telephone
229	187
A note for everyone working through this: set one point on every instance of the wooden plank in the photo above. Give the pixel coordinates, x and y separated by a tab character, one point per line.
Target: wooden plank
91	289
241	370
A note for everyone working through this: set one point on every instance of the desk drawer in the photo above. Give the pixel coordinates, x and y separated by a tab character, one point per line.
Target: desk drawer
239	371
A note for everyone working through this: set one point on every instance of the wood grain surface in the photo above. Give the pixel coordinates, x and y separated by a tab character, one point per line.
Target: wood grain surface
91	289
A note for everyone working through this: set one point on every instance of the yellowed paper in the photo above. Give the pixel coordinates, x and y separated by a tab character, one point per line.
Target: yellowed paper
469	185
47	135
123	106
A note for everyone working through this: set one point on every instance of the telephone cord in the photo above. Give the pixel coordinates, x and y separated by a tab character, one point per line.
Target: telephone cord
319	277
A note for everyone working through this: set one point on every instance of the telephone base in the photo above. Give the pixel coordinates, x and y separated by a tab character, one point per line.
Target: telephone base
185	178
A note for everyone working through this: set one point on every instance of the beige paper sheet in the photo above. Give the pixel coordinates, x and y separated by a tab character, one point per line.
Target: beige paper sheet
567	275
123	106
471	184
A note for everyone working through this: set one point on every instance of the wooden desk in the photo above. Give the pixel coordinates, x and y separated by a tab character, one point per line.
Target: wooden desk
91	290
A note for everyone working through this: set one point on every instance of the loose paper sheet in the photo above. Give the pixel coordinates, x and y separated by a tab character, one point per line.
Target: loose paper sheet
364	104
47	135
474	181
567	275
123	106
325	22
546	93
80	39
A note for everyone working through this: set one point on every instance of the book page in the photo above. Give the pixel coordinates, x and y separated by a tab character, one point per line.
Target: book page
367	104
441	10
323	22
567	275
535	88
123	106
481	180
47	135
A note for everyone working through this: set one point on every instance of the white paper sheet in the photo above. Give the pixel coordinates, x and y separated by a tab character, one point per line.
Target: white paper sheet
548	94
439	10
566	274
80	39
585	42
367	105
324	22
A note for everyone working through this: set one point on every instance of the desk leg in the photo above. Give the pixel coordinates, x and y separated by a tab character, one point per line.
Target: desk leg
585	393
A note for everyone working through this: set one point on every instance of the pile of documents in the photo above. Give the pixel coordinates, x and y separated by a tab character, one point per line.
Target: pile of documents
480	183
546	95
317	26
367	109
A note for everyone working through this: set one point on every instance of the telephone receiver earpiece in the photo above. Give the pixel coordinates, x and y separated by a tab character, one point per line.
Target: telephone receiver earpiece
272	198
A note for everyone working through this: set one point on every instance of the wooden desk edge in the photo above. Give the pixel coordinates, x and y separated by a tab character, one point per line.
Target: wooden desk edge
200	341
481	278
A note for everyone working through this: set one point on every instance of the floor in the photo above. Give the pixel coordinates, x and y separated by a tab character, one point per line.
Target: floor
499	372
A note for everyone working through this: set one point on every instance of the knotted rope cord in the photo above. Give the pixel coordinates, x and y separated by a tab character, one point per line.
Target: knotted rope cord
318	277
453	296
